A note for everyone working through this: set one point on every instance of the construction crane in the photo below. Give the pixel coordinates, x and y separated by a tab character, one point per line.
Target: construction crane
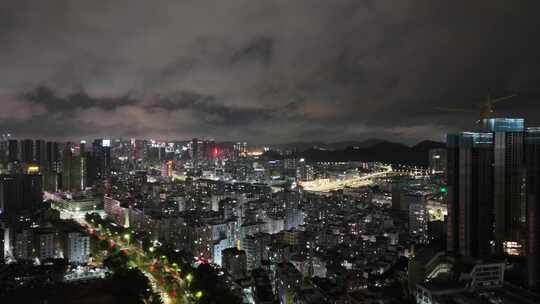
486	107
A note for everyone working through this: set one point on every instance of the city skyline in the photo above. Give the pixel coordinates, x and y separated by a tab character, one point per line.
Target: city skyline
265	152
263	72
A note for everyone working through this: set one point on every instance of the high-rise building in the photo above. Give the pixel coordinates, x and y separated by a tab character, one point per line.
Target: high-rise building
437	160
195	151
73	171
19	193
487	201
508	180
3	151
208	146
13	150
27	151
40	152
50	167
256	248
470	193
418	221
53	152
101	159
532	164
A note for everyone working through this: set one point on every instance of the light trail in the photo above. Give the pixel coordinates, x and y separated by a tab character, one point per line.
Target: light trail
130	248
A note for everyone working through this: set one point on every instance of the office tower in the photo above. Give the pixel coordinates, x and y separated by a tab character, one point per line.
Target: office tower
508	179
67	157
101	159
27	151
40	153
532	164
73	171
470	193
437	160
50	167
195	151
19	193
13	150
53	152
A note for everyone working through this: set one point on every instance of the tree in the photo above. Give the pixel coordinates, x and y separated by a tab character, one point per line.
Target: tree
210	288
116	261
131	286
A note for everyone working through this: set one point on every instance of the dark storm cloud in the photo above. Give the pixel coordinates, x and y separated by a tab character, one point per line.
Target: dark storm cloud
209	107
258	50
265	71
79	100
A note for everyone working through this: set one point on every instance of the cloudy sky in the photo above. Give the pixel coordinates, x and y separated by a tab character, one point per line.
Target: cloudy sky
263	71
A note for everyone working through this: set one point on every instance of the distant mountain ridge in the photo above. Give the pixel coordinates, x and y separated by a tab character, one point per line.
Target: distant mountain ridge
384	151
302	146
368	150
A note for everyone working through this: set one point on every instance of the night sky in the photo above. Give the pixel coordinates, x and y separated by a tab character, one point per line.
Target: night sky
263	71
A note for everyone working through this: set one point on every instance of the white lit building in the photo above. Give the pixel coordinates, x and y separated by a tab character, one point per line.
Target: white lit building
77	248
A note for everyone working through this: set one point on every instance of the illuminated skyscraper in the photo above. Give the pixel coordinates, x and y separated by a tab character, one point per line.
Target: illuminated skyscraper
470	193
437	160
486	183
532	164
73	171
509	181
101	160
